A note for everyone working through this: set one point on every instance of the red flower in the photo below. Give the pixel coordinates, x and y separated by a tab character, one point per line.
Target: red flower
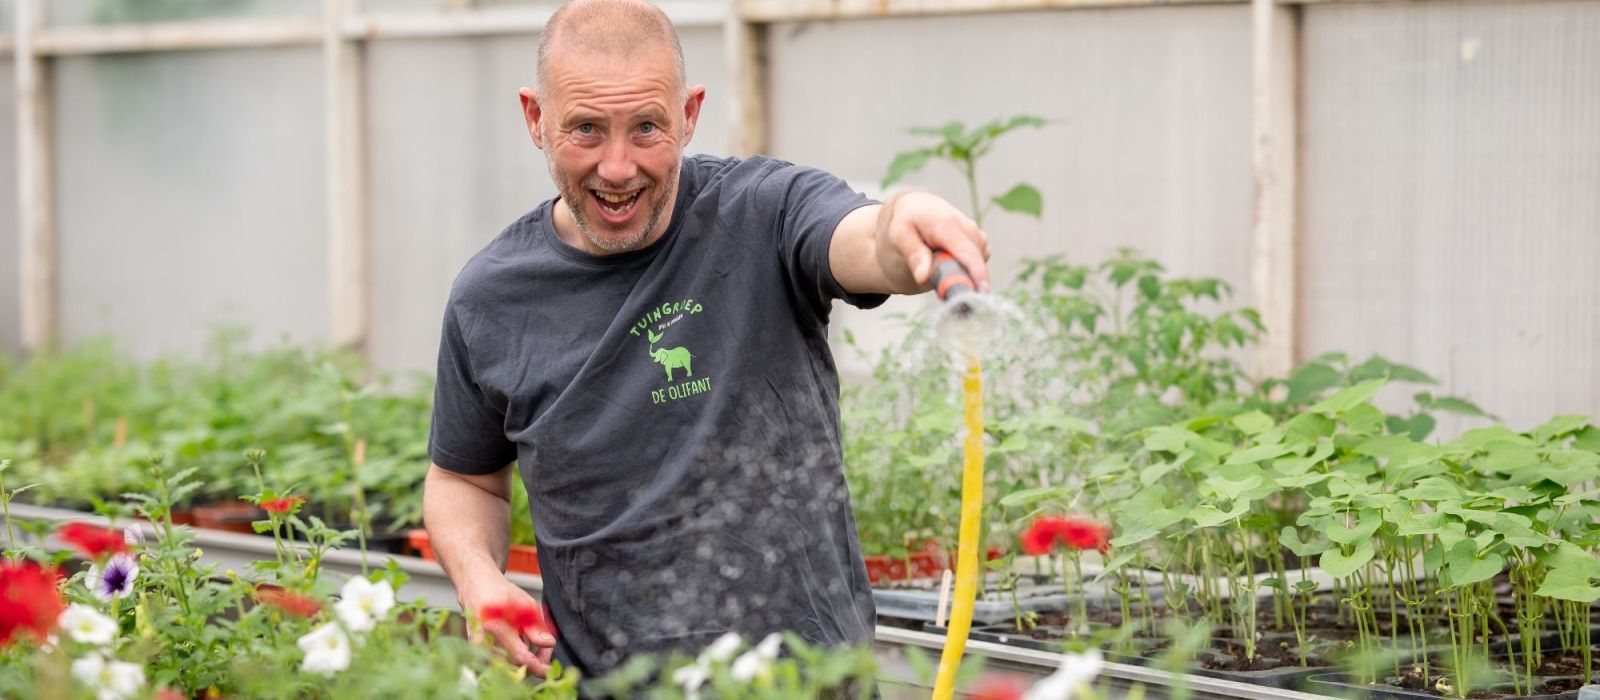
281	505
296	604
93	541
520	616
1040	537
170	694
29	600
999	688
1078	533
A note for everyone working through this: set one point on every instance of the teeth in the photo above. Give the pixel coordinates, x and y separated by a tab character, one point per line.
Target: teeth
614	198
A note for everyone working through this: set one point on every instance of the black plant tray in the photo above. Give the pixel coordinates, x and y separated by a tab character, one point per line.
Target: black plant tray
1345	685
1284	677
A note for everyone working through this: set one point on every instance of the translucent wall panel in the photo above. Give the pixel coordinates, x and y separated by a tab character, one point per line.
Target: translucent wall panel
452	165
1153	152
10	312
1451	171
190	195
76	12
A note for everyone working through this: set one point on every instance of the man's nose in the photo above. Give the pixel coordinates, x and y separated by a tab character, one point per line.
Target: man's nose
617	166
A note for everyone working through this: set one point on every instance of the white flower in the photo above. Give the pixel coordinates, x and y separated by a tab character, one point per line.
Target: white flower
469	680
362	603
691	677
327	650
749	666
109	678
1077	671
768	648
722	649
87	625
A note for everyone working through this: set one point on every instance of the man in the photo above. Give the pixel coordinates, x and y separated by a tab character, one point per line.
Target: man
650	348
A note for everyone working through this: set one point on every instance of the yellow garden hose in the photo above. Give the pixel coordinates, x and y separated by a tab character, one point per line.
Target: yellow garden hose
962	328
955	645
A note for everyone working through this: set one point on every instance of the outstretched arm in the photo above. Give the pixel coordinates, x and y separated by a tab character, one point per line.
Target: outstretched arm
888	248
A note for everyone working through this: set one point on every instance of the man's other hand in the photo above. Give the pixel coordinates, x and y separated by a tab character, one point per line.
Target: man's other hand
515	621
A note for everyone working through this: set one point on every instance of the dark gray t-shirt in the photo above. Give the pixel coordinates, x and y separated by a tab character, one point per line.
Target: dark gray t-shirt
674	414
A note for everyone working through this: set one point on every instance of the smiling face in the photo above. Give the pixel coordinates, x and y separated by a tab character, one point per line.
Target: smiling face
613	125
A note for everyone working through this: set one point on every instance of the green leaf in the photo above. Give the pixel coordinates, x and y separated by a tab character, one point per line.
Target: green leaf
1309	381
1367	523
1212	516
1259	453
1015	442
1168	439
1458	406
1301	481
1348	398
1572	574
1028	497
1467	568
904	164
1364	419
1021	199
1341	565
1417	427
1292	466
1118	560
1509	458
1420	524
1558	426
1150	287
1433	488
1587	439
1377	367
1230	489
1309	426
1479	438
1252	423
1289	537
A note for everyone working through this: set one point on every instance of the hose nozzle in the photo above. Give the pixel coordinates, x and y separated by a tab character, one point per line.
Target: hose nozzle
950	279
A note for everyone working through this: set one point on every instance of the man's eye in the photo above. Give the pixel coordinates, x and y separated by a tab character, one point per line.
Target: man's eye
647	128
585	129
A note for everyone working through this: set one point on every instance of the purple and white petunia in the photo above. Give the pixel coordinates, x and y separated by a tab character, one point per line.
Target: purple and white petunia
116	579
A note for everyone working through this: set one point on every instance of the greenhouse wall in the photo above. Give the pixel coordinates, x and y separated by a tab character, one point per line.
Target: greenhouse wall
10	288
1451	165
189	194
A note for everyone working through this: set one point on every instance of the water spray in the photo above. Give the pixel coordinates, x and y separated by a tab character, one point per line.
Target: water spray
966	324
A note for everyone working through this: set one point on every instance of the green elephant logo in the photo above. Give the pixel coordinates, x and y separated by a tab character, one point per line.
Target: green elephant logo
672	358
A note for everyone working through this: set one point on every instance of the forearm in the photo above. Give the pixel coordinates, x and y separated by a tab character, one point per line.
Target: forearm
468	521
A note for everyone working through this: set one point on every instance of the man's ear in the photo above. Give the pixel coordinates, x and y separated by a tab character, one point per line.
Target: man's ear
691	110
532	114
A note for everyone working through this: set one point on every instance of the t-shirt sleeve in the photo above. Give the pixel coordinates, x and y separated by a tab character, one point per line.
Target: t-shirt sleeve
813	203
468	432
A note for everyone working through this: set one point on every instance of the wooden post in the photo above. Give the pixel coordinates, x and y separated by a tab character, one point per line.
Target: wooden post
36	229
346	180
1274	157
745	44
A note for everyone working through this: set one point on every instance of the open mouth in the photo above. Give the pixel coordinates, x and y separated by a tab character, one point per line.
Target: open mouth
616	205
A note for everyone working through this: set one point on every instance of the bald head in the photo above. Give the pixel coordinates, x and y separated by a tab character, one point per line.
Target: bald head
609	27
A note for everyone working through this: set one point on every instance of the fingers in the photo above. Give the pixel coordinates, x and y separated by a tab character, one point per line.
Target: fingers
930	223
511	642
541	662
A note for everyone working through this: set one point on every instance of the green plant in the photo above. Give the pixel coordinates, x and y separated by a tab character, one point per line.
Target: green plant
962	148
